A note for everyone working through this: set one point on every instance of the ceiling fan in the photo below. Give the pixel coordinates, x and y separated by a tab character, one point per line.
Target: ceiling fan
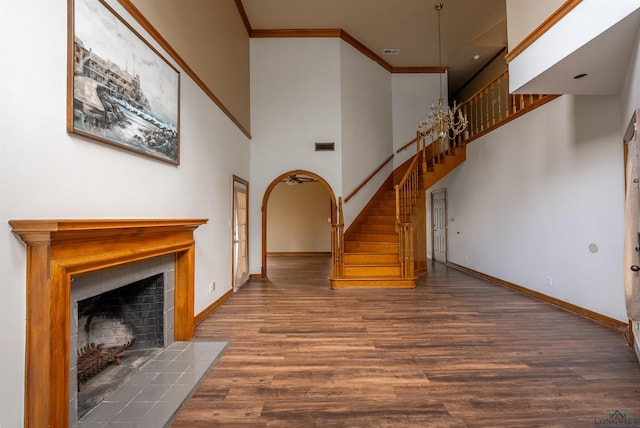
295	179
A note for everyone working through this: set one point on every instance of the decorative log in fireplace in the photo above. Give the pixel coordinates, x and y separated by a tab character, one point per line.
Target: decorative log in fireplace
59	249
92	359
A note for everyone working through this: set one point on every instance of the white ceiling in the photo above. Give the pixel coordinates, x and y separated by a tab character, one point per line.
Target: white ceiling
469	28
604	60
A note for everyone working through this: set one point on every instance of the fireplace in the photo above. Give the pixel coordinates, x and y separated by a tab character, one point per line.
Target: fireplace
60	252
120	316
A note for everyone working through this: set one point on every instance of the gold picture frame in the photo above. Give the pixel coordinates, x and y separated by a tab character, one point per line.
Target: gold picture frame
120	90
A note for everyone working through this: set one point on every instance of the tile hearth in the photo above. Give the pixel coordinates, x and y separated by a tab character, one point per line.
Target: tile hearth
151	397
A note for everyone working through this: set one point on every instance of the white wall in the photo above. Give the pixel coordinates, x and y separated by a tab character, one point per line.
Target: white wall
630	103
488	74
534	194
297	219
581	25
295	102
367	126
523	17
307	90
47	173
413	95
630	95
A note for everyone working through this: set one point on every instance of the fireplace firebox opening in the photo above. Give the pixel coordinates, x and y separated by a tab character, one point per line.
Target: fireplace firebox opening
109	324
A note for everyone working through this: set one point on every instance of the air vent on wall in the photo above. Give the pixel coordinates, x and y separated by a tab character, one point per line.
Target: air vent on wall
325	147
391	52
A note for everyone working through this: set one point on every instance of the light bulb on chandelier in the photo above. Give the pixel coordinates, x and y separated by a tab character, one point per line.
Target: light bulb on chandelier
442	121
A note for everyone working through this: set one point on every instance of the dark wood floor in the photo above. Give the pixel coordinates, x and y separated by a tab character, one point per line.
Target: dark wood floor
455	352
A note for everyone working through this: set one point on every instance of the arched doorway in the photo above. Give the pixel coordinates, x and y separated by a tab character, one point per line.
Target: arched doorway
281	178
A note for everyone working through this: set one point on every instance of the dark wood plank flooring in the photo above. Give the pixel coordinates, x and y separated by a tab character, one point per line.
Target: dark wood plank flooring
455	352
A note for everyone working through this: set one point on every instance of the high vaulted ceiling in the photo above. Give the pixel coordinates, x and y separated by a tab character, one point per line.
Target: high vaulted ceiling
468	28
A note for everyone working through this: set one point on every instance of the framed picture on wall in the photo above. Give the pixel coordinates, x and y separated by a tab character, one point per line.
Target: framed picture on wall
120	90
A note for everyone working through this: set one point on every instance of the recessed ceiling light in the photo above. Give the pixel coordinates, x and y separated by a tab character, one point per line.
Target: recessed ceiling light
580	76
391	52
476	57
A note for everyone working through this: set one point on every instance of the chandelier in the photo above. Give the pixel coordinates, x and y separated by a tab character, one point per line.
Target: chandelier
442	121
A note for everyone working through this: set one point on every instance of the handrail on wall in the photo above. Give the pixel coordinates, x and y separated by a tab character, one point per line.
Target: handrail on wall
406	146
490	107
366	180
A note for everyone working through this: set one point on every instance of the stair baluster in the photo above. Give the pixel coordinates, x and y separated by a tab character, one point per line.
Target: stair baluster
386	245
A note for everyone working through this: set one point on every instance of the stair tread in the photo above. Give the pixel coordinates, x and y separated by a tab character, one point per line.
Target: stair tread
373	265
389	282
358	241
362	253
374	278
380	237
371	255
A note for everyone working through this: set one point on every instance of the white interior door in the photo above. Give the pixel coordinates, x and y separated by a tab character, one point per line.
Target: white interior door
240	233
439	226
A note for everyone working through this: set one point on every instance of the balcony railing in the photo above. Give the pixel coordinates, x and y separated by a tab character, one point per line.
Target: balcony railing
493	106
490	107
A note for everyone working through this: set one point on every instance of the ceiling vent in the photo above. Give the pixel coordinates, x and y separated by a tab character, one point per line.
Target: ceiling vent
391	52
325	147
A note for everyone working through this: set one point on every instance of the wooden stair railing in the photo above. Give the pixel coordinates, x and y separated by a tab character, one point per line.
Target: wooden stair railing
408	192
368	256
386	245
440	158
493	106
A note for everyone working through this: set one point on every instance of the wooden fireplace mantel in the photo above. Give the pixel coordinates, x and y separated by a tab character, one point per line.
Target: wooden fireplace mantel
59	249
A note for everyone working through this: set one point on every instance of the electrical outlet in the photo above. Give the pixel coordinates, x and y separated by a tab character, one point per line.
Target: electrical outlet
549	281
212	287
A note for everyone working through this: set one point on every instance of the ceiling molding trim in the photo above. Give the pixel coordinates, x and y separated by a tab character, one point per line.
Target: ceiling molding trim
295	33
338	33
347	38
552	20
432	69
243	15
155	34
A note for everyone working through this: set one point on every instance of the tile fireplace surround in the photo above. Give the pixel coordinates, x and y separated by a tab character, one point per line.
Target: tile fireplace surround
56	251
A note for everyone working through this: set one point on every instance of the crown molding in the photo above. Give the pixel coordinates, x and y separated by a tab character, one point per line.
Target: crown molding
542	28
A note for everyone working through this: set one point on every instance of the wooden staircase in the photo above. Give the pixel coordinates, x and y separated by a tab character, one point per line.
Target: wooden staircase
371	255
448	162
371	252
